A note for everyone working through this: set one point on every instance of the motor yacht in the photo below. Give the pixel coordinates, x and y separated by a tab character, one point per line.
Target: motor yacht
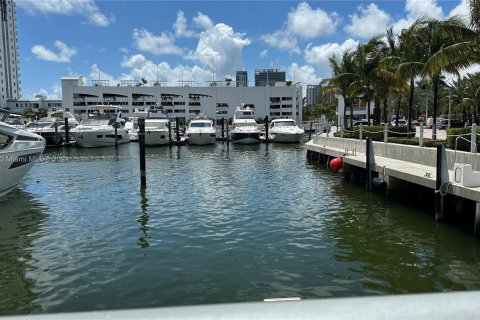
46	128
285	130
244	128
156	132
200	131
19	149
98	128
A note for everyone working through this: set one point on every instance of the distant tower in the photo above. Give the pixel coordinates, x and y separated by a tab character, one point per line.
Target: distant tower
269	77
9	73
242	79
313	92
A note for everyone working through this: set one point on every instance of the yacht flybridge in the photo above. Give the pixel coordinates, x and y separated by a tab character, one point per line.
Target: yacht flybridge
19	149
98	129
245	129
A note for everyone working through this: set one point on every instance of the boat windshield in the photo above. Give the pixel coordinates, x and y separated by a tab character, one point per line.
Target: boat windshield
200	124
38	125
96	122
245	124
284	124
244	115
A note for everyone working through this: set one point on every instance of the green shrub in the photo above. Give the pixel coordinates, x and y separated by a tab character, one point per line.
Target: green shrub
462	145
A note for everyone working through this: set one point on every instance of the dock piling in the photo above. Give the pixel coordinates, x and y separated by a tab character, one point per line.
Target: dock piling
223	128
476	229
177	129
141	141
67	133
56	134
266	128
310	132
115	125
228	135
170	142
370	162
441	179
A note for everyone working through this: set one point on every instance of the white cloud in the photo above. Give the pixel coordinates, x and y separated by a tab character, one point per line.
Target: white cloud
462	10
310	23
318	55
304	74
423	8
416	9
124	50
140	67
369	22
180	26
303	22
55	92
163	44
263	54
282	40
203	21
219	47
64	55
86	8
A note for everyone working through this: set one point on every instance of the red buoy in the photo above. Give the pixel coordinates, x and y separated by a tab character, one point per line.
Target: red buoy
336	164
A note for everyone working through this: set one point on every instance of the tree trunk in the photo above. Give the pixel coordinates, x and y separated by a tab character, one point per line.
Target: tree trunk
410	102
345	105
398	108
435	81
385	104
351	112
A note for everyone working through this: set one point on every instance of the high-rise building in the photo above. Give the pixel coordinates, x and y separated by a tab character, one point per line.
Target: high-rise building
242	79
9	73
313	91
270	77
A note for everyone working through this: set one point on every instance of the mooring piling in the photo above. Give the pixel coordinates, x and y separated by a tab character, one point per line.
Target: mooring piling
67	133
141	141
177	129
223	128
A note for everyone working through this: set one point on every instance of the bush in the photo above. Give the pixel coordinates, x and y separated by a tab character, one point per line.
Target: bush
462	145
377	133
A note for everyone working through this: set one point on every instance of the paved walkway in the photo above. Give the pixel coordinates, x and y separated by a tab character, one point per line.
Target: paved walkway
427	133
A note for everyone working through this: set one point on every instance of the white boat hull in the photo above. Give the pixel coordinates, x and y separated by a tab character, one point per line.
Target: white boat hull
285	137
156	137
201	138
18	158
100	138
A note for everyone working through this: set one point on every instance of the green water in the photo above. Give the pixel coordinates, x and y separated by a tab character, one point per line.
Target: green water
216	224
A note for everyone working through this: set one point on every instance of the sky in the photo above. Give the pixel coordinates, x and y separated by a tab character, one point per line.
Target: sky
199	40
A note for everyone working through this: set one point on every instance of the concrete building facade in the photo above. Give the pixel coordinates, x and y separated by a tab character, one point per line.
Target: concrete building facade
184	102
9	64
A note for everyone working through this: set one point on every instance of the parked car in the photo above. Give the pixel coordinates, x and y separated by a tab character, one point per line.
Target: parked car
454	123
360	122
401	122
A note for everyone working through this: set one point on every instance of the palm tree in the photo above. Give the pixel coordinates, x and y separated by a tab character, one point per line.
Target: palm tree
341	84
436	35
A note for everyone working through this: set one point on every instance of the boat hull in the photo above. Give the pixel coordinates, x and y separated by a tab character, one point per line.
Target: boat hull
97	138
15	163
201	138
156	137
283	137
245	137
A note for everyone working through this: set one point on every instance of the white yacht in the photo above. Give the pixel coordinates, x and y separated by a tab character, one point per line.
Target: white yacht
97	130
46	128
285	130
200	131
156	132
19	149
244	128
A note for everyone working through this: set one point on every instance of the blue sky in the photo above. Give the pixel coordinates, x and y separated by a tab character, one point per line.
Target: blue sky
193	40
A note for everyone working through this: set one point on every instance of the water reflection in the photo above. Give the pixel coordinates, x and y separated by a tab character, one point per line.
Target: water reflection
143	220
21	221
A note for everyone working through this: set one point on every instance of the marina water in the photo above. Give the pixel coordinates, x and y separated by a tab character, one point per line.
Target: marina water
216	224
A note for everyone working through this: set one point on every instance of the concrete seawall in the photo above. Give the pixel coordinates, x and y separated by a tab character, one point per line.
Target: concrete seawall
414	154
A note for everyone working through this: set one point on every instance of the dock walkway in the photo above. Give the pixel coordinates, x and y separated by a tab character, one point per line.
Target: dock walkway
412	164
